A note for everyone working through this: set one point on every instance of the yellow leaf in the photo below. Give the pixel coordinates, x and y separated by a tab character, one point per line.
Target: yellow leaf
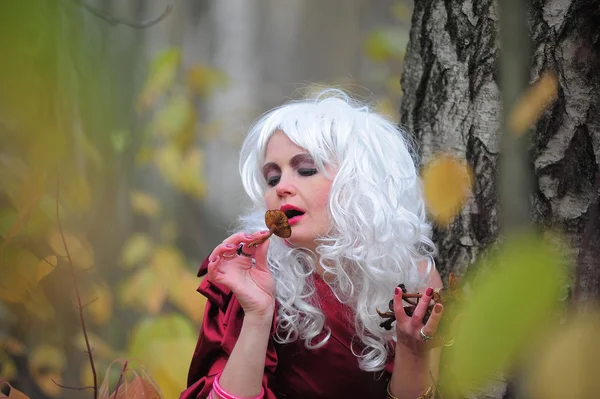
162	75
401	12
145	290
165	346
533	103
47	357
47	383
204	80
101	308
26	200
447	183
170	373
495	325
8	369
566	359
144	204
45	267
167	263
137	249
175	116
18	268
185	297
80	250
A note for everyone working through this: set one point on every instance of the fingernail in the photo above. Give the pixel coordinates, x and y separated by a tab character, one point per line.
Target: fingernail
230	245
264	232
248	236
429	291
398	291
437	308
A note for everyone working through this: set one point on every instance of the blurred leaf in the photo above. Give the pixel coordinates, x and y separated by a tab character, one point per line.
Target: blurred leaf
175	116
204	80
12	346
80	250
102	306
18	268
401	11
144	290
47	383
8	218
167	262
566	359
45	267
155	329
144	204
383	44
533	103
163	72
102	349
183	171
47	357
137	249
506	310
185	297
119	140
447	182
8	369
165	345
25	200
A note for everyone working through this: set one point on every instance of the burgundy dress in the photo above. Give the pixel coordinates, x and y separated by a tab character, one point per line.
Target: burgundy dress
291	370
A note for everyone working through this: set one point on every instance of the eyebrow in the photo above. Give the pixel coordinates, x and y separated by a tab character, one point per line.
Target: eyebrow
294	162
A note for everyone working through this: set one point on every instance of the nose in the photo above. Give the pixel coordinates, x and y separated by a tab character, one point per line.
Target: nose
285	187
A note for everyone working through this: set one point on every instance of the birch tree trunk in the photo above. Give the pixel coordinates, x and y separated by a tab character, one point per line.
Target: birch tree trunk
451	104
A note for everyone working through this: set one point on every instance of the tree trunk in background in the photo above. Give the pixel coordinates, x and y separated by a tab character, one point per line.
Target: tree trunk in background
452	104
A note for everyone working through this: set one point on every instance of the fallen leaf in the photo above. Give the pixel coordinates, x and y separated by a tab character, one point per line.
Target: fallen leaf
447	183
533	103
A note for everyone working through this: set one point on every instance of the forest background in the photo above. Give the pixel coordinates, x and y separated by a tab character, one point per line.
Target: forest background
120	126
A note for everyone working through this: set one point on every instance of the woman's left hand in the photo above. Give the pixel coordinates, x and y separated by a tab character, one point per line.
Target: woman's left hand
414	336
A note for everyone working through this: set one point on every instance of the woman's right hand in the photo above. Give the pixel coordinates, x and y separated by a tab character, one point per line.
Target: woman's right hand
253	285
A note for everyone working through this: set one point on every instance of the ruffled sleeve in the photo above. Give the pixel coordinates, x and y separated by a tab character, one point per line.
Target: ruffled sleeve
221	326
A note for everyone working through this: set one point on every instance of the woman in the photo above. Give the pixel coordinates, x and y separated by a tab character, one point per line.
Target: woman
298	317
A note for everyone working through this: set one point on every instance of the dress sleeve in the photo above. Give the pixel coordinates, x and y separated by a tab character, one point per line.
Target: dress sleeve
221	326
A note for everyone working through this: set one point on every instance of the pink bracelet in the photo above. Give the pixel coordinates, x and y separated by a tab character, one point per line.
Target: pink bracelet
224	395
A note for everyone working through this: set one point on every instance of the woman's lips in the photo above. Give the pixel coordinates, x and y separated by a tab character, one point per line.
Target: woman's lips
295	219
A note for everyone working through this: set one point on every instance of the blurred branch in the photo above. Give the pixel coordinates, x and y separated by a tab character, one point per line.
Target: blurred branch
514	172
79	304
119	21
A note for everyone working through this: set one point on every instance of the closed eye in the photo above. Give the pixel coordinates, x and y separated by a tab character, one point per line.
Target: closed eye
307	172
273	180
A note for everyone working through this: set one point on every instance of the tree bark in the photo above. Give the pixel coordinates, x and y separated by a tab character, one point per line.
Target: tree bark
452	104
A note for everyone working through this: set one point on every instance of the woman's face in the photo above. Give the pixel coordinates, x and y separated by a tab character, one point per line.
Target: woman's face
296	187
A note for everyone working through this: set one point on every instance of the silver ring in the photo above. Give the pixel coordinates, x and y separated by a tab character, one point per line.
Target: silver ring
423	336
240	251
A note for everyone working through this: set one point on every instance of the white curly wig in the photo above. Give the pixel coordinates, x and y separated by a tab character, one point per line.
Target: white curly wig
379	228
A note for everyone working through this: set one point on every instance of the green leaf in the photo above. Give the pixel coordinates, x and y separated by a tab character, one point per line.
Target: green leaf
163	72
382	45
505	311
164	328
175	116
